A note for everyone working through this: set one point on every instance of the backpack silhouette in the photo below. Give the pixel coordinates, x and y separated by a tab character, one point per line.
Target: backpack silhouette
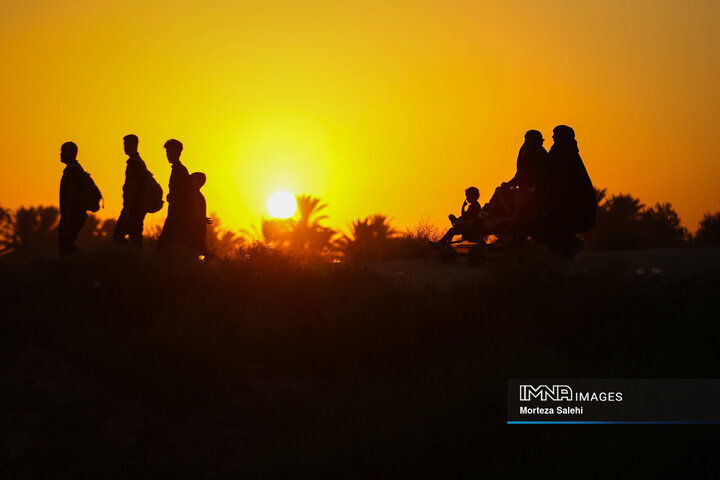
153	194
91	194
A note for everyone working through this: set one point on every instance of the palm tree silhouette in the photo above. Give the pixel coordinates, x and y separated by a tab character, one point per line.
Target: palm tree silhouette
600	195
623	222
369	238
623	208
304	232
30	230
6	231
309	208
223	242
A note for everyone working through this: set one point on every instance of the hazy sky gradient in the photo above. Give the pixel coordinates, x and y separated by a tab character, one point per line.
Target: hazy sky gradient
376	107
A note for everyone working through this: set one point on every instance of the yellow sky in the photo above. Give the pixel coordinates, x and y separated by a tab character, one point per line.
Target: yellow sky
374	106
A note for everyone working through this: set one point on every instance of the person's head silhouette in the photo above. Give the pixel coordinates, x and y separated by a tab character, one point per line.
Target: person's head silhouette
563	134
534	137
173	148
197	180
130	142
472	194
68	152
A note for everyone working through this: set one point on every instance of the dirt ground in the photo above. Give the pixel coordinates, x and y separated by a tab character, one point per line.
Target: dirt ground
645	265
361	381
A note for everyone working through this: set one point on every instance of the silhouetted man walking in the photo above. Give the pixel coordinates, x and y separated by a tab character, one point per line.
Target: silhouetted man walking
131	218
175	230
72	199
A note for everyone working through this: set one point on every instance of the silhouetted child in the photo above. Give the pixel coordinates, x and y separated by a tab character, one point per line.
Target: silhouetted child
470	215
197	214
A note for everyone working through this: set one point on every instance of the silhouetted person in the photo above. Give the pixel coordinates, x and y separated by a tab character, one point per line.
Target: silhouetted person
571	203
72	199
531	162
197	214
175	230
517	204
131	218
530	181
467	223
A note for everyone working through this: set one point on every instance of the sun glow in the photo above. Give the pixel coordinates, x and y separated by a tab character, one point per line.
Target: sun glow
281	205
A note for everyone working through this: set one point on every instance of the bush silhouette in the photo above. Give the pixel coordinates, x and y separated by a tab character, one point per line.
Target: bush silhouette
33	232
708	235
222	242
660	228
30	231
369	239
625	223
375	239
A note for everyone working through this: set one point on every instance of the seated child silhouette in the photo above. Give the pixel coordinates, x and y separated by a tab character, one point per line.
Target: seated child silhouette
470	215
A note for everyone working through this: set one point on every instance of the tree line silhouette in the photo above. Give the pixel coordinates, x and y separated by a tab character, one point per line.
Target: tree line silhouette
550	199
623	223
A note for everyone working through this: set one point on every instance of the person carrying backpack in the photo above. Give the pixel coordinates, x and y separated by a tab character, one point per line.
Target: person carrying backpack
141	195
132	216
78	195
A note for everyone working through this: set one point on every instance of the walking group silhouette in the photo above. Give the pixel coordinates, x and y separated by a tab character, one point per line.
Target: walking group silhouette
186	223
550	198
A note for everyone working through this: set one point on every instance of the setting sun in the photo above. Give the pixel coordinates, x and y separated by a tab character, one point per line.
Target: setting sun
281	205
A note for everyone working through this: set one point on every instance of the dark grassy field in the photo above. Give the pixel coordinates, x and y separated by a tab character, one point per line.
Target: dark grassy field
122	364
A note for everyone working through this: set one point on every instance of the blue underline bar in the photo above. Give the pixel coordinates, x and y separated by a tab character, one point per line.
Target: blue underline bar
594	422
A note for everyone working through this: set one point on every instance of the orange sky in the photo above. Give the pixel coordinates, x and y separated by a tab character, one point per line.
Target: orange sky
390	107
